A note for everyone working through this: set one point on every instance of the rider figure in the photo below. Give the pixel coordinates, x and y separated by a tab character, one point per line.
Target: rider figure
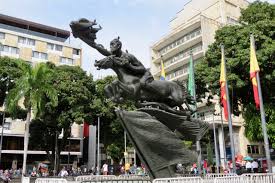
125	59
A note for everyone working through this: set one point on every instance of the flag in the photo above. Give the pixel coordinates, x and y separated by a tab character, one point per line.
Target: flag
223	86
191	79
254	68
191	82
162	72
86	129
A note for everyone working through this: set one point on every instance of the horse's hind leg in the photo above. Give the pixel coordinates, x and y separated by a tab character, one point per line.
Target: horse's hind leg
108	91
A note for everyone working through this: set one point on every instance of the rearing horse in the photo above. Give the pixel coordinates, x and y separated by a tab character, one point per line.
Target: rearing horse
128	86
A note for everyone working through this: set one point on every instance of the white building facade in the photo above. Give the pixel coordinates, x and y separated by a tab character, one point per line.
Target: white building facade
194	28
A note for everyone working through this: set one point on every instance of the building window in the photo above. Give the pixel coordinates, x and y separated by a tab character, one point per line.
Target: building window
50	46
58	47
232	21
26	41
183	54
40	55
14	50
64	60
2	35
252	149
6	48
186	37
76	51
44	56
31	42
35	54
22	40
9	49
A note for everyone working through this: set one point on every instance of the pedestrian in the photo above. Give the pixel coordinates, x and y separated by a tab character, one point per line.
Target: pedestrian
255	166
194	169
63	172
6	177
127	168
105	169
248	166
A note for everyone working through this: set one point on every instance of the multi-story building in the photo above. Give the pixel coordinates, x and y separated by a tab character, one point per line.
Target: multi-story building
35	43
194	28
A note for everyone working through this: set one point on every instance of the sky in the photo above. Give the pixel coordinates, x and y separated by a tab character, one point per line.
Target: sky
138	23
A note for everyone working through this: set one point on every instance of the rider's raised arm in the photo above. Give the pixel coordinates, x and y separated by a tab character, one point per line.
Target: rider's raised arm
101	49
96	46
135	65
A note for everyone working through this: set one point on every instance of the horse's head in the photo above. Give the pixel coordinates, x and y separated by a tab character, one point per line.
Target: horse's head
105	63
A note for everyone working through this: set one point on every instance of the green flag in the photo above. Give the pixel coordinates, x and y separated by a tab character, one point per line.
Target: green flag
191	81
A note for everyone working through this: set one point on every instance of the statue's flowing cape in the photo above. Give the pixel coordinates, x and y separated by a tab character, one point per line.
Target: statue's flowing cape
157	146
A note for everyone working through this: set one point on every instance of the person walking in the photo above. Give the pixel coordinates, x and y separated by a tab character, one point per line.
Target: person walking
255	166
105	169
248	166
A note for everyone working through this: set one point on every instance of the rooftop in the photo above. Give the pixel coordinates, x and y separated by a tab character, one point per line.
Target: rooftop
33	26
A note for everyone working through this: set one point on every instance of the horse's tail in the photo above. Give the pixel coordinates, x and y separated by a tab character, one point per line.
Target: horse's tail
183	88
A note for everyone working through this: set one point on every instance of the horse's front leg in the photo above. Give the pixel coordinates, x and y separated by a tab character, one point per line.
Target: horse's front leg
112	91
109	91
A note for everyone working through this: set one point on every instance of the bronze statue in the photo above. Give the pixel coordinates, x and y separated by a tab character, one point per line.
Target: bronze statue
134	80
85	27
154	129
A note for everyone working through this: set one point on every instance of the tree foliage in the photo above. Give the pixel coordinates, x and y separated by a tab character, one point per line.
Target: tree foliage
75	92
258	19
113	133
9	67
33	87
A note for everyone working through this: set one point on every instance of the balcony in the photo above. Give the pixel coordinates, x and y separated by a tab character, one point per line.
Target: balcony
180	63
188	44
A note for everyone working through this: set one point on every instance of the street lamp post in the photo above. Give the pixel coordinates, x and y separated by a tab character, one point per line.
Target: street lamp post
7	79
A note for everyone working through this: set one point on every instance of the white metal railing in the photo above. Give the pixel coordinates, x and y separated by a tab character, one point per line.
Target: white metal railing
50	180
25	180
209	178
259	178
94	177
230	179
179	180
222	178
214	175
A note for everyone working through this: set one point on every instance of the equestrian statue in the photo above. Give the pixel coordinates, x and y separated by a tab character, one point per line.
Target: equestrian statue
160	105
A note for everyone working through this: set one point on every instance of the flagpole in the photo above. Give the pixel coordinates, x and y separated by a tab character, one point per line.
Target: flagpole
224	152
215	143
98	145
263	121
193	93
229	116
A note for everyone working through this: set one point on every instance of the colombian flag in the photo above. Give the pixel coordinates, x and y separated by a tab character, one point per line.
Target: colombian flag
86	129
254	68
162	72
223	87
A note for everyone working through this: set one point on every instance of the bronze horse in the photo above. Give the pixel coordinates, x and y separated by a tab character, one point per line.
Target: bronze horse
128	86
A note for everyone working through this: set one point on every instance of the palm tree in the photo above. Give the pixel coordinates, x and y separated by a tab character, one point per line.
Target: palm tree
34	88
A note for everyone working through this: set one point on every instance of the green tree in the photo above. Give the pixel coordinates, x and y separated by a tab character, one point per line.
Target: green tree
75	93
33	86
9	67
259	20
113	133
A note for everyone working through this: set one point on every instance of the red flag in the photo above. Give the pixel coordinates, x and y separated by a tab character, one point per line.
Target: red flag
254	68
223	88
86	129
